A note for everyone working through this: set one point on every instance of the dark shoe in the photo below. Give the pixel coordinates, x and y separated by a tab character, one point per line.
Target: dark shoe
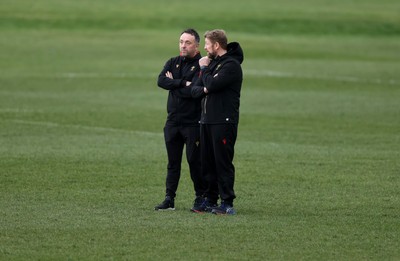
197	204
167	204
203	205
224	209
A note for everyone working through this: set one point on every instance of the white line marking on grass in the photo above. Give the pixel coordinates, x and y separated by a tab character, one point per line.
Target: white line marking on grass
90	75
260	73
278	74
72	75
77	126
13	110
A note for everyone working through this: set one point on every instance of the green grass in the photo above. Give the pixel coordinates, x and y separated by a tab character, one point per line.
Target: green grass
82	156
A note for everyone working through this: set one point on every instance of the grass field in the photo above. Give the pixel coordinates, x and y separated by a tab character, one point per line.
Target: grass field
82	156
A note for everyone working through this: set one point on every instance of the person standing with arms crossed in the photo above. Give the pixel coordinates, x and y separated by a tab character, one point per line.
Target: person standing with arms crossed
219	84
182	125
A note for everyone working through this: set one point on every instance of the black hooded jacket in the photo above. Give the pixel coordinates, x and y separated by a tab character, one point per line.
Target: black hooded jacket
223	79
182	108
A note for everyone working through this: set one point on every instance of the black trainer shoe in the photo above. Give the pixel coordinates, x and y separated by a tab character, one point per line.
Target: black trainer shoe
203	205
197	204
224	209
167	204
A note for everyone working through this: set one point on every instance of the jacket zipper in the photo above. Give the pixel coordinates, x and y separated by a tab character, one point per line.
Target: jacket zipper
205	104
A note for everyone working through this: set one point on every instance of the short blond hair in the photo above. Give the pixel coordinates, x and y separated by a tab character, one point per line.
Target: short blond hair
217	36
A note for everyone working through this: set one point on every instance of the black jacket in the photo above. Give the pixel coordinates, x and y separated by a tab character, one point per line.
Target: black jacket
183	109
223	80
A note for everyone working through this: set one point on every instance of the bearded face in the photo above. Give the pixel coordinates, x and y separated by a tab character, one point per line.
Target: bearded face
211	55
210	49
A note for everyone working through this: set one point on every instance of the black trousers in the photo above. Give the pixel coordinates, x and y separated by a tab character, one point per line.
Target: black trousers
175	139
217	152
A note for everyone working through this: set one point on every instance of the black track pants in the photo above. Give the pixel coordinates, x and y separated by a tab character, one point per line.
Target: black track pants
217	152
175	139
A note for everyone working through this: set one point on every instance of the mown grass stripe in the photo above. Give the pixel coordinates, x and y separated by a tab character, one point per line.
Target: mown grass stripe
89	128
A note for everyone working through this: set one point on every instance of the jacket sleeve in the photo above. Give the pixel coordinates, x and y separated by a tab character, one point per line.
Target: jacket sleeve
197	87
197	91
167	83
187	91
230	72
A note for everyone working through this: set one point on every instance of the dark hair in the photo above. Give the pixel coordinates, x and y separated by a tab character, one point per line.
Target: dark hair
217	36
192	32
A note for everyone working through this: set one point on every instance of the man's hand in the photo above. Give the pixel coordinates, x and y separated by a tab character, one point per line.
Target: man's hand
188	83
204	61
205	90
169	75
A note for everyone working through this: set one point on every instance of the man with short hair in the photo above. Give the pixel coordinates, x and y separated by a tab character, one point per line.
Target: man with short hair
182	125
219	84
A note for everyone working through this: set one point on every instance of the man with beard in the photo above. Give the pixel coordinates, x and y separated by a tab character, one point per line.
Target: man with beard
182	125
219	84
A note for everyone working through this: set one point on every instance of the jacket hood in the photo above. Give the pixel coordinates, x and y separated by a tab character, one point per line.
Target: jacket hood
235	51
